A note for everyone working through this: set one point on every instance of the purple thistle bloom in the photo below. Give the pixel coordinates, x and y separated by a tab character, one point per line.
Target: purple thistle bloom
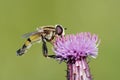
74	49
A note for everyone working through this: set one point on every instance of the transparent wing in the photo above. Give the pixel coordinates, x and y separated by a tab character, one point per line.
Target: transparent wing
27	35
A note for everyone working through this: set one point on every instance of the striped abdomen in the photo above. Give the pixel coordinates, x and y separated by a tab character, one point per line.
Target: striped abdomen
28	44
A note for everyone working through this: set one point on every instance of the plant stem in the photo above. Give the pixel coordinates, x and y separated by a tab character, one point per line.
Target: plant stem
78	70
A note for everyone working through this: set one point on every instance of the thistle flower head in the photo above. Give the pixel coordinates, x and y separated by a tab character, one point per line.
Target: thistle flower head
74	49
75	46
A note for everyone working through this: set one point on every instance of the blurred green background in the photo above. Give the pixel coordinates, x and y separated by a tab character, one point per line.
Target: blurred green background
20	16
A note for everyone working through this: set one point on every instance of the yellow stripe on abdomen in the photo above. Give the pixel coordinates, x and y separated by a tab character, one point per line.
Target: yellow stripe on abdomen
27	43
34	38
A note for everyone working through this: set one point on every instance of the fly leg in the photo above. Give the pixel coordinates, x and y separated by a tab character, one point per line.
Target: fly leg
45	50
58	57
44	47
54	56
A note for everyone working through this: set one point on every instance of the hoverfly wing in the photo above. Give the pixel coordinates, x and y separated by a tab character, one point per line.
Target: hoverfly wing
27	35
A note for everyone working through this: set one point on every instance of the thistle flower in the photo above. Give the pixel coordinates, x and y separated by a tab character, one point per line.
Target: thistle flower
74	50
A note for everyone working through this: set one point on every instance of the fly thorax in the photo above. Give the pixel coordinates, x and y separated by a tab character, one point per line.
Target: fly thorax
49	36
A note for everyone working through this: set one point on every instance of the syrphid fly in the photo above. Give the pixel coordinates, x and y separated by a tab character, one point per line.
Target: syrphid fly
44	34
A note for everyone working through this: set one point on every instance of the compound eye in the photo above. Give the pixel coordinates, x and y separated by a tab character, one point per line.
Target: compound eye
59	29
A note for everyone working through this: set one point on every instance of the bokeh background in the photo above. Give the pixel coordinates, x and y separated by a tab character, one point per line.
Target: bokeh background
21	16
